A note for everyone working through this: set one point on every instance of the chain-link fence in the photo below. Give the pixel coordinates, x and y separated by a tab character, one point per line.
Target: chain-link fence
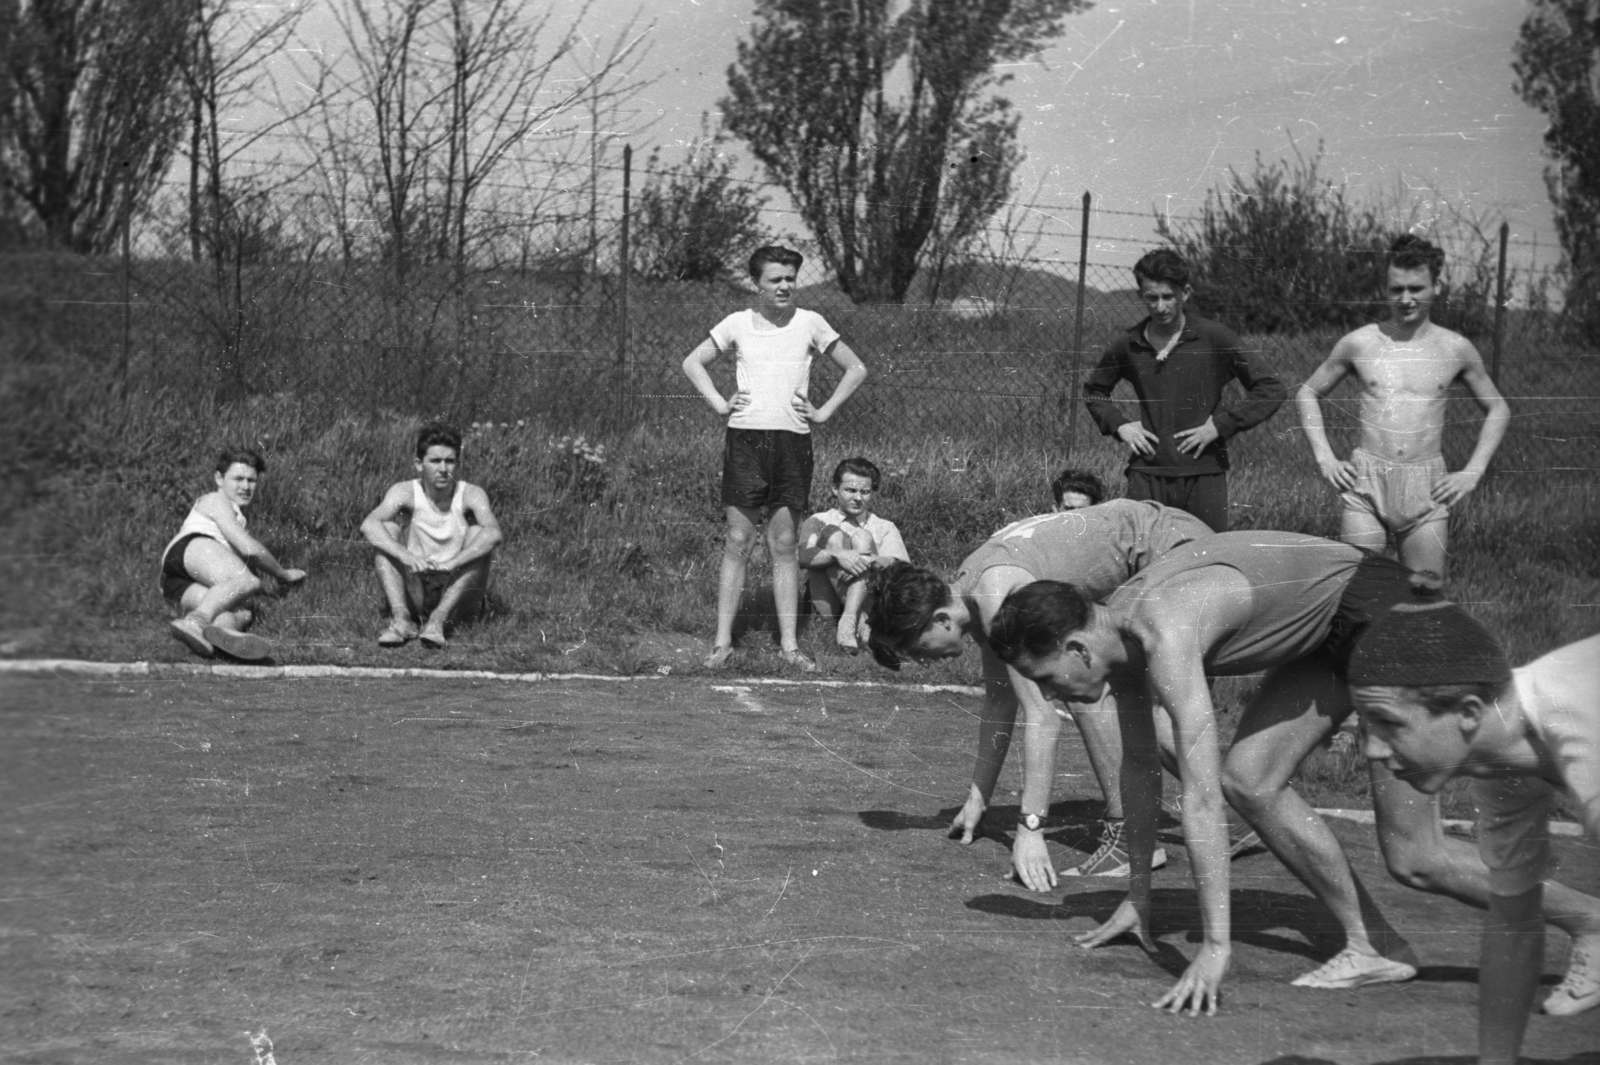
989	353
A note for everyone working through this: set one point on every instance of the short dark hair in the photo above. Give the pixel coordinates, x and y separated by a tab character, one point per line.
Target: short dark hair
859	466
247	455
1035	618
1411	252
1081	481
904	598
437	434
1163	264
773	253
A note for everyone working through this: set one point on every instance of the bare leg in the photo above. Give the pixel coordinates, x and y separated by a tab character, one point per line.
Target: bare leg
825	601
397	593
742	522
1421	856
1424	549
222	580
784	548
1361	528
463	597
853	593
1298	707
1102	741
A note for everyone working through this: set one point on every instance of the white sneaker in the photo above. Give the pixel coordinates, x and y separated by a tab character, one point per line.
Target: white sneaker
1350	968
1111	857
1579	990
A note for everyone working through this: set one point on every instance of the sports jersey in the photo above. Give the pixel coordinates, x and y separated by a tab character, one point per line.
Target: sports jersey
1093	548
1560	698
884	533
1296	584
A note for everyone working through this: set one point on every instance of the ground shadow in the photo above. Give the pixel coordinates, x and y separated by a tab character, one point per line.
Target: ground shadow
998	821
1258	916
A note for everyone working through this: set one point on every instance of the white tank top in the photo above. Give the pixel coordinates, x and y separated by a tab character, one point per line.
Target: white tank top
435	535
202	525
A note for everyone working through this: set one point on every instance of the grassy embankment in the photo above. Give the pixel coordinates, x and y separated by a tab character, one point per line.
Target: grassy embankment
611	562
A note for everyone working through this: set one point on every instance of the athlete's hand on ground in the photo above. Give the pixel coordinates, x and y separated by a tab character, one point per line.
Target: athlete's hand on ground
1338	473
1193	441
965	826
1452	488
1140	440
1126	920
1030	861
1199	990
293	576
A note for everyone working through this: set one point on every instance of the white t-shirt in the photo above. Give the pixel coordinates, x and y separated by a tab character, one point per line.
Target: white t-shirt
772	365
884	533
1560	698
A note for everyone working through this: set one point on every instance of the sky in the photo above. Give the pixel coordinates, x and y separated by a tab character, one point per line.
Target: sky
1147	104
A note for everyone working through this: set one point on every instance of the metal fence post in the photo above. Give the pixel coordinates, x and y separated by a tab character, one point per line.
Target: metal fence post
1077	330
622	280
127	309
1499	305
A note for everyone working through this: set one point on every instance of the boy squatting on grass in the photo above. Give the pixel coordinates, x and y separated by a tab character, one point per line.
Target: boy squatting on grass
206	570
1438	700
841	546
1179	364
916	614
1237	603
766	456
1395	484
435	537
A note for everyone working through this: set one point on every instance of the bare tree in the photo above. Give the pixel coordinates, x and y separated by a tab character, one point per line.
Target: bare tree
91	112
223	72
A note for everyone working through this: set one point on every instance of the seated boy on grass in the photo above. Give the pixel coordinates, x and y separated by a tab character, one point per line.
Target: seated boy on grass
1438	700
842	545
435	537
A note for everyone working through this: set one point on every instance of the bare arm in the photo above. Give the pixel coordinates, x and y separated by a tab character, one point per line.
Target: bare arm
394	507
997	719
475	501
694	367
855	372
1509	960
1309	398
253	551
1453	487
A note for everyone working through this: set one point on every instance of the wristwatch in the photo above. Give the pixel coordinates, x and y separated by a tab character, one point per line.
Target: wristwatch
1031	822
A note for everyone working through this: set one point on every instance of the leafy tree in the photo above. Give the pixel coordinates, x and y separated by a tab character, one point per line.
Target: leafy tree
1282	250
876	173
1558	71
91	110
696	221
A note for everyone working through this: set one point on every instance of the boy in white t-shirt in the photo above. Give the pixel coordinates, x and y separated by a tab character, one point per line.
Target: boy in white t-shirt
1438	700
766	457
842	545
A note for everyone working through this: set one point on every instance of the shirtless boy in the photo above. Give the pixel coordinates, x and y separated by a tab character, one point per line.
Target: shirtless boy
435	537
841	546
766	454
1438	700
1395	485
916	614
1237	603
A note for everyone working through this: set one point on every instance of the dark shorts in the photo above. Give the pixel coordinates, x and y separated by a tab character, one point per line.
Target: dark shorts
766	468
175	580
1378	584
1205	496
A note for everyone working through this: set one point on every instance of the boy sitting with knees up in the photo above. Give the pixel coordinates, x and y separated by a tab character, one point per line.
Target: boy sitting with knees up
1438	700
435	538
842	545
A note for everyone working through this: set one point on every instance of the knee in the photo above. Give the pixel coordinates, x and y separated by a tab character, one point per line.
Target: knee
248	585
1247	796
1415	867
740	540
782	542
864	543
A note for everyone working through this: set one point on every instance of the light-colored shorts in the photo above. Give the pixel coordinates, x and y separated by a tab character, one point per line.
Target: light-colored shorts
1514	831
1399	495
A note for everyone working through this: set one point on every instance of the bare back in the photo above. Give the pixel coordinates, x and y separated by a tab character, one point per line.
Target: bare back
1405	387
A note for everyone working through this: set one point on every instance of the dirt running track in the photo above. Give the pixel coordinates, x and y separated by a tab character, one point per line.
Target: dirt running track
396	872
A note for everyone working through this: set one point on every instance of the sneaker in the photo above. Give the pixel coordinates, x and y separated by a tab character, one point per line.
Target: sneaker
433	636
717	658
396	635
1350	968
241	645
191	635
1111	858
799	659
1580	989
